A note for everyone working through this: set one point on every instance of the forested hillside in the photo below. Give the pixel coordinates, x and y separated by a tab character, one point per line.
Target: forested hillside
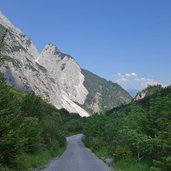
103	95
136	136
32	131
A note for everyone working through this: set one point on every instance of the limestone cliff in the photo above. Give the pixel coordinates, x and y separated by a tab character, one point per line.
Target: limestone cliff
51	74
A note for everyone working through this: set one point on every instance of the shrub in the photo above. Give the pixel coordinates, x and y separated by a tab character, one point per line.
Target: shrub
122	152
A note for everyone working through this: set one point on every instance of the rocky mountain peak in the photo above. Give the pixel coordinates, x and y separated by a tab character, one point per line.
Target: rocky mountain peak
50	49
55	76
7	24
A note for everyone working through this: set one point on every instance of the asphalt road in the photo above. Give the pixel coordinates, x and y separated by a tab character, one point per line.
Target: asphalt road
77	158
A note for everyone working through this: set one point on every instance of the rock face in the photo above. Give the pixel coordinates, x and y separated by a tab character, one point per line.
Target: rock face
53	75
103	95
66	74
149	91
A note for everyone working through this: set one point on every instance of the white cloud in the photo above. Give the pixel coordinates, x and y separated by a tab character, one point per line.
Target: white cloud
133	74
134	81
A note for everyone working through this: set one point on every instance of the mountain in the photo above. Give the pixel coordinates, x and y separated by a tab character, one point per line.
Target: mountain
149	91
53	75
103	95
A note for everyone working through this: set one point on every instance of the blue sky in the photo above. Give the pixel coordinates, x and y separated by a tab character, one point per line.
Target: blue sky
127	41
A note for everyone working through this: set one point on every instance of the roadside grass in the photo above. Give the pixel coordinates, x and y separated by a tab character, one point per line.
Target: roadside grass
4	168
131	165
38	161
101	153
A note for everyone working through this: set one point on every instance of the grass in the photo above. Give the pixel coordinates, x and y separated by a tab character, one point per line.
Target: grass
131	165
4	168
124	165
30	162
38	161
101	153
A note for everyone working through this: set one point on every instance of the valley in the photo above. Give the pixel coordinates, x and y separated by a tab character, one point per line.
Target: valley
77	158
56	115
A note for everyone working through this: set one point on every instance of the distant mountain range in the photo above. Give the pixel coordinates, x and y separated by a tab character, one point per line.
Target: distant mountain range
55	76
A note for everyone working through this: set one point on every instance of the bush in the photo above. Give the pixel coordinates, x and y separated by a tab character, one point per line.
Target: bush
31	132
74	126
163	165
122	152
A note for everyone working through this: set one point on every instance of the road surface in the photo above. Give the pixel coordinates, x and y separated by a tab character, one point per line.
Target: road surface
77	158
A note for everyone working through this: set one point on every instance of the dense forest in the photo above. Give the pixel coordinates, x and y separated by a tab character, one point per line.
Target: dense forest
31	129
136	136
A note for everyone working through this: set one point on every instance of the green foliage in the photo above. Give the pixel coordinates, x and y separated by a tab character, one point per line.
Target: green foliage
28	125
152	90
31	132
106	93
2	36
53	132
140	130
29	161
162	164
74	126
122	152
10	120
31	105
131	165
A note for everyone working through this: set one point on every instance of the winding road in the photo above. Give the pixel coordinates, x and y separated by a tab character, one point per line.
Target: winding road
77	158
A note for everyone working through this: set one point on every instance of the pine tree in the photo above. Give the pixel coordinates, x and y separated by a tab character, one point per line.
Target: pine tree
10	119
